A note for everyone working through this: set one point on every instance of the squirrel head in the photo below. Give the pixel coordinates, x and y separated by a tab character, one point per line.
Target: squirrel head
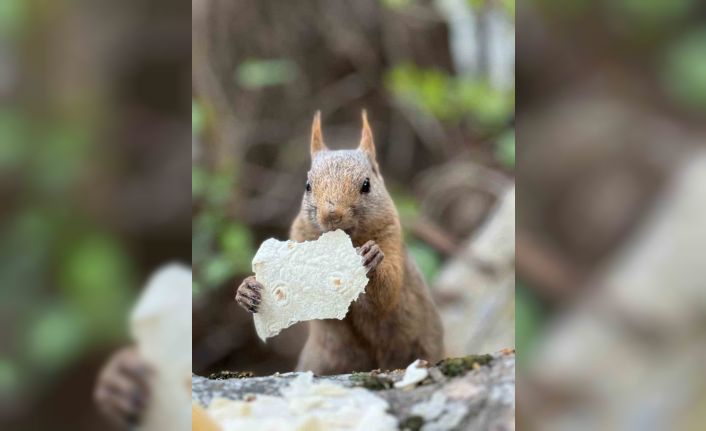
344	188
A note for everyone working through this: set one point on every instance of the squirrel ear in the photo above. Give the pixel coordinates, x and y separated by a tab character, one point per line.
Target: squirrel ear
367	145
317	139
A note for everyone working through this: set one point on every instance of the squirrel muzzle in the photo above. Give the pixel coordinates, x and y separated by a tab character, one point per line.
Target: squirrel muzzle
335	217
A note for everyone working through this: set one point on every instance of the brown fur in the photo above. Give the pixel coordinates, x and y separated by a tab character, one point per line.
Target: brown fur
394	322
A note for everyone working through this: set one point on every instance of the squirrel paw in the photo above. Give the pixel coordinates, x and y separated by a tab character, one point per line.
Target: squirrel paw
248	294
122	390
372	255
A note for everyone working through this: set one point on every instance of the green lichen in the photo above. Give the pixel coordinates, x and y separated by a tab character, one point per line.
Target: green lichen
372	381
225	375
453	367
412	423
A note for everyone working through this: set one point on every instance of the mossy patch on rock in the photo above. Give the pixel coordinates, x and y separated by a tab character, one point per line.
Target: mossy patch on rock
225	375
412	423
453	367
372	381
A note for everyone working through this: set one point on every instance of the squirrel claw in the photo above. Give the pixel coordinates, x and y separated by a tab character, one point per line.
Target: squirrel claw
249	294
372	255
122	389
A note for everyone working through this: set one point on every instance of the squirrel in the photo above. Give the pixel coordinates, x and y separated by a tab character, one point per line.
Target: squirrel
394	321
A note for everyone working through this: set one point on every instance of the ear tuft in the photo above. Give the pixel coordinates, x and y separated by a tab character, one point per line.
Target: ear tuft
317	139
367	145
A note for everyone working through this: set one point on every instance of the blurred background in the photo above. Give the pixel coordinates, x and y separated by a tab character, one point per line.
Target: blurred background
94	190
437	79
612	196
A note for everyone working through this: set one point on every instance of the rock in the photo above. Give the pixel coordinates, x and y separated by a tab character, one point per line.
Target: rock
481	397
475	290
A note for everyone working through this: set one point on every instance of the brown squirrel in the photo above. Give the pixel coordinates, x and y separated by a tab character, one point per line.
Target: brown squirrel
394	321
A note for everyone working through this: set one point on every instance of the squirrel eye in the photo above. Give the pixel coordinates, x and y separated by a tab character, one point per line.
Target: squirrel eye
366	186
308	186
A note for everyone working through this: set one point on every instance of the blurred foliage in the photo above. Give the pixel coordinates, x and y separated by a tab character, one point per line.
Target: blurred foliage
685	69
427	259
57	336
507	5
505	149
12	129
456	99
9	376
67	276
95	276
12	14
632	19
86	138
63	157
650	15
197	118
397	4
407	206
566	8
221	247
265	73
72	293
452	98
529	318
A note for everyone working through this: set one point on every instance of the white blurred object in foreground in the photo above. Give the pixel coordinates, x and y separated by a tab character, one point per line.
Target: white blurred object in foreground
161	326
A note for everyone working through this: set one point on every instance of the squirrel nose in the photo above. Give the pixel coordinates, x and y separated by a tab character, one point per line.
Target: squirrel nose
334	214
